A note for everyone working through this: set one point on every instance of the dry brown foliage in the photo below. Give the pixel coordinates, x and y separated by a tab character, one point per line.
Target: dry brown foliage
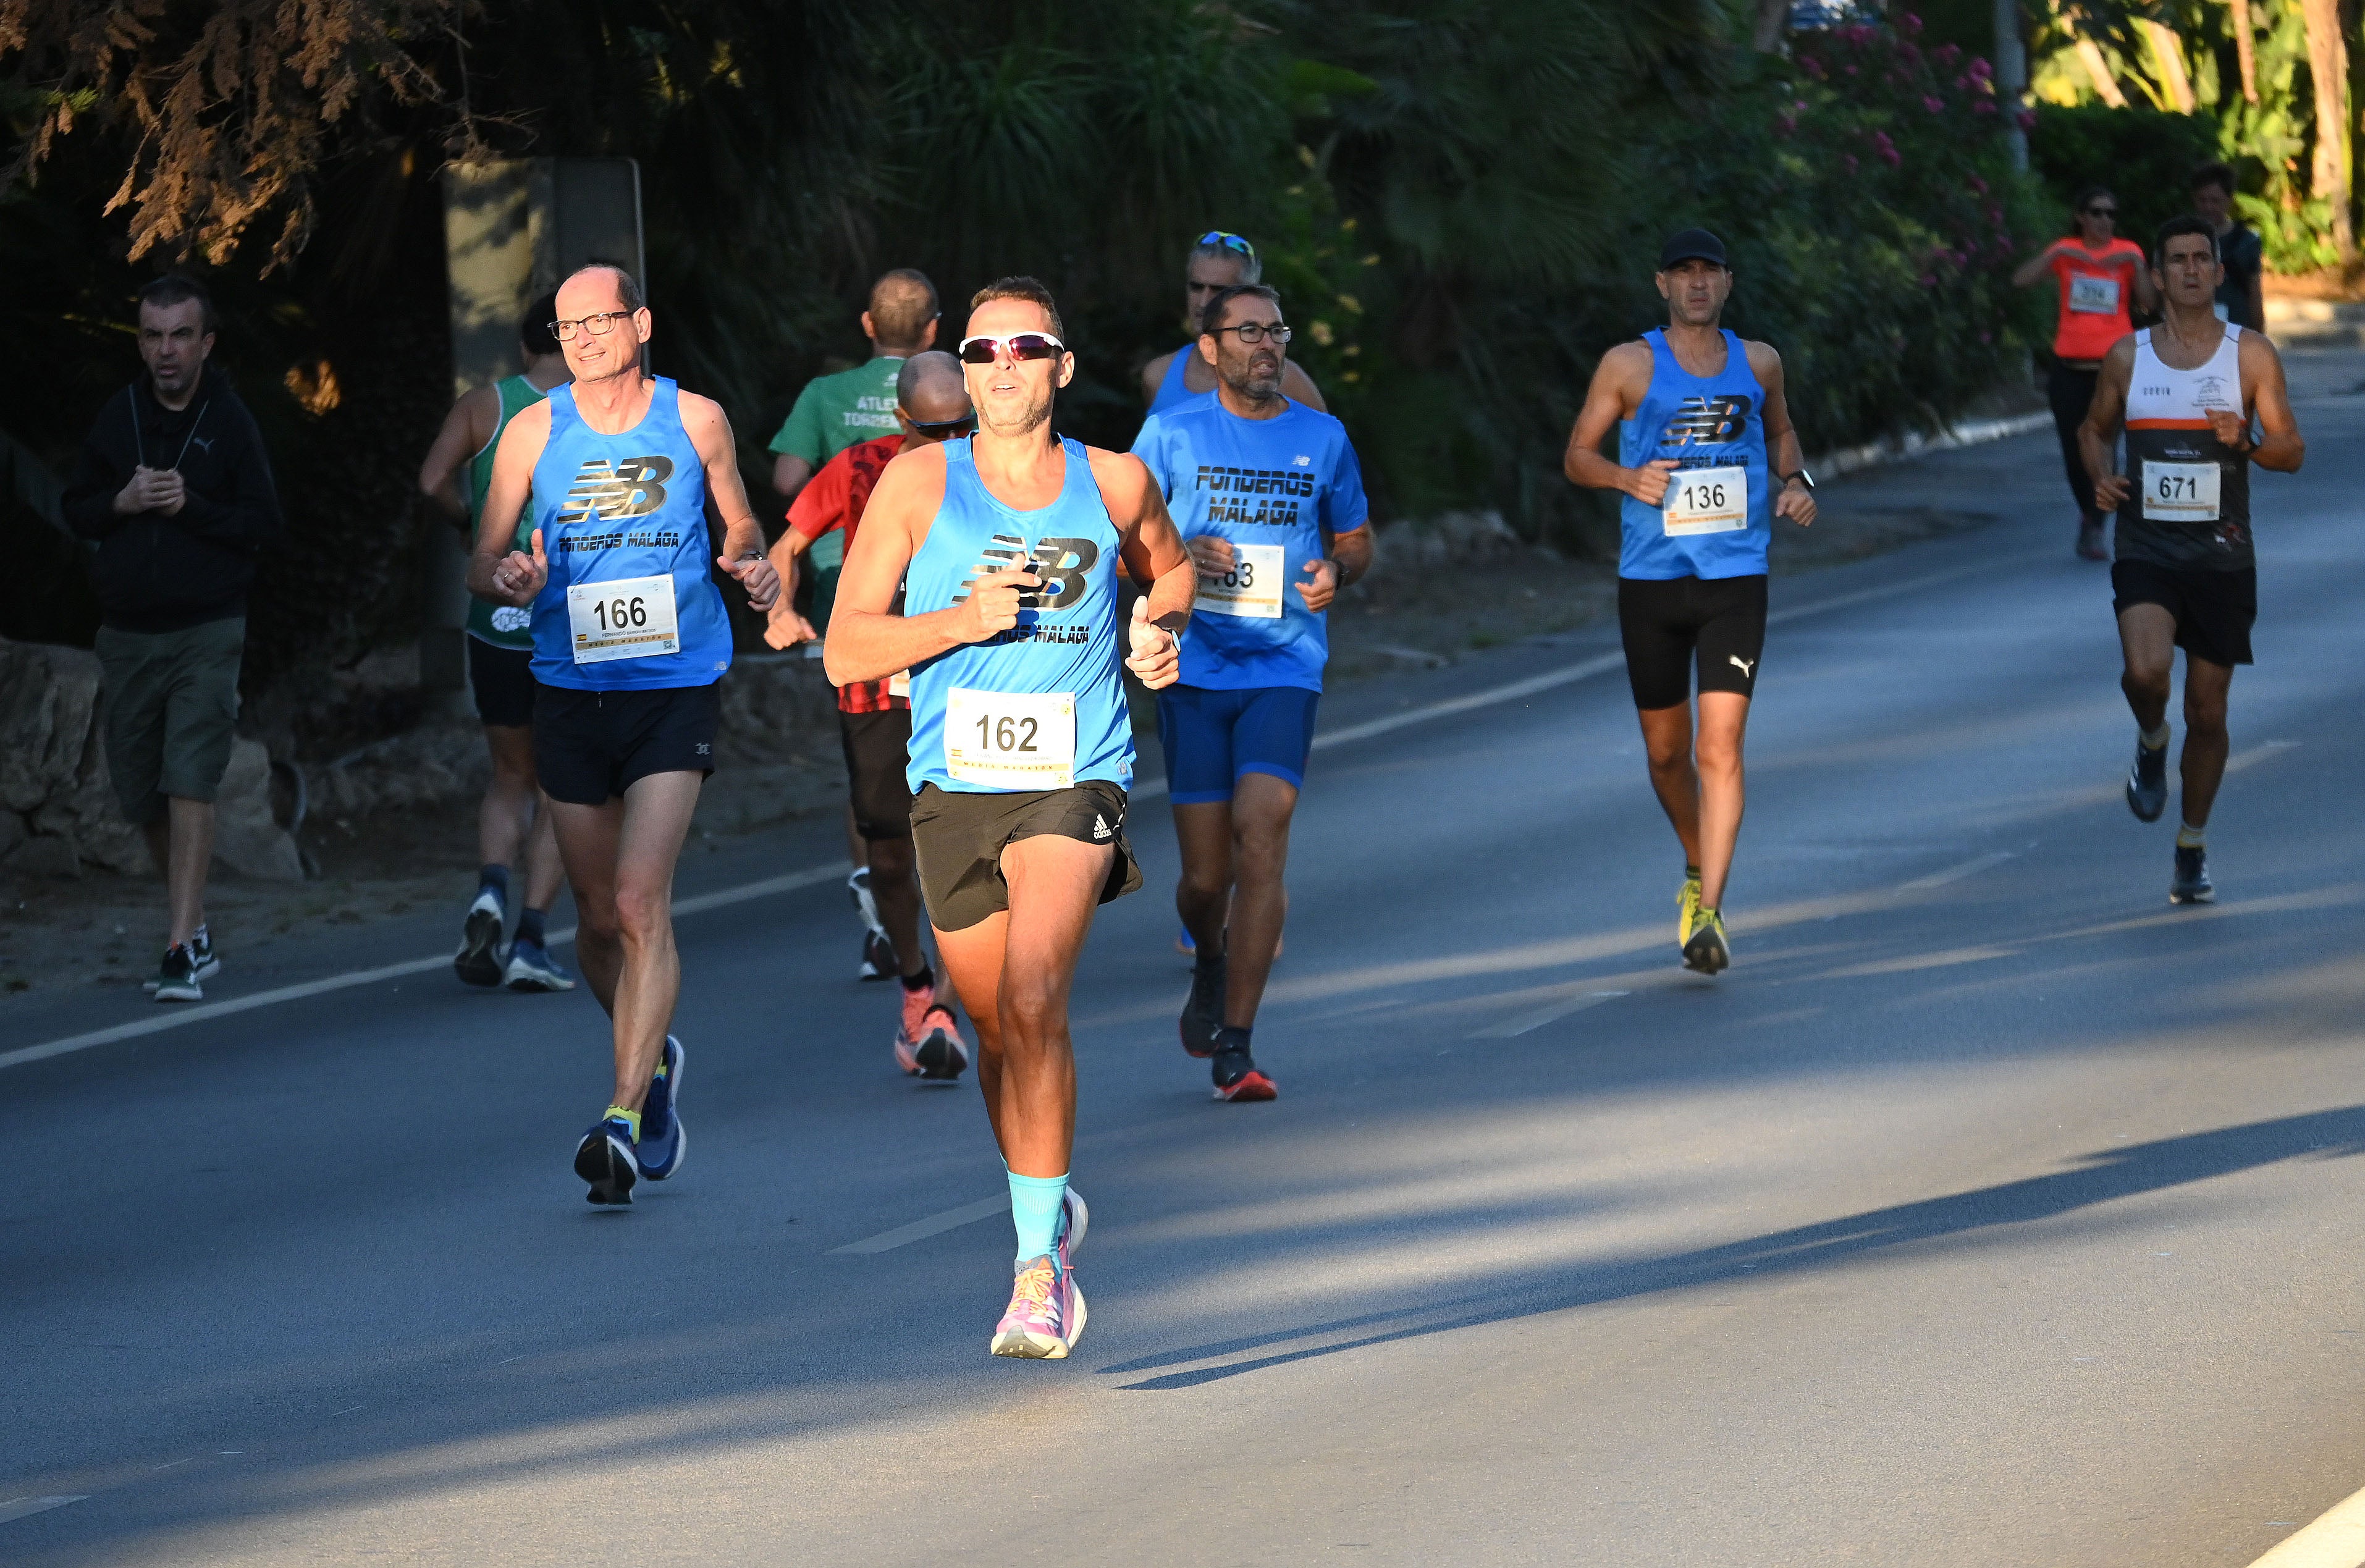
228	110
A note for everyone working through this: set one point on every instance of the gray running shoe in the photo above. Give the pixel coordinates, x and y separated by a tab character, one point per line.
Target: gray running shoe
2147	783
531	967
2191	884
478	961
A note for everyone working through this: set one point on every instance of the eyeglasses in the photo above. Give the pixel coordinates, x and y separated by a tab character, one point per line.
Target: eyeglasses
1254	332
945	429
1020	345
1229	242
2101	212
599	326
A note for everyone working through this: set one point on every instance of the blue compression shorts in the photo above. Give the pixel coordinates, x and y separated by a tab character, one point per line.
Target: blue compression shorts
1211	737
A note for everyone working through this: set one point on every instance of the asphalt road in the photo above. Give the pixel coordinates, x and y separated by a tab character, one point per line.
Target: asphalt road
1989	1211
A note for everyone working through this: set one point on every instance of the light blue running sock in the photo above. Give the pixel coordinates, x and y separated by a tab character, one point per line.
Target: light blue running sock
1037	1204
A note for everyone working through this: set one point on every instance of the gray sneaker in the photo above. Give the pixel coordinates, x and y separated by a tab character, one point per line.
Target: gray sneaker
2147	783
2191	884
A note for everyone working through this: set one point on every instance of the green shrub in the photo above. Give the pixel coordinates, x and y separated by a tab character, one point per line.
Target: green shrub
2146	156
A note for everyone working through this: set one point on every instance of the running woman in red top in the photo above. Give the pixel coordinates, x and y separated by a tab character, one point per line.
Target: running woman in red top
2099	276
874	717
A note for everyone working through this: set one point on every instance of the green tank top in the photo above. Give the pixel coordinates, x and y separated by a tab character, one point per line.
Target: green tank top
502	625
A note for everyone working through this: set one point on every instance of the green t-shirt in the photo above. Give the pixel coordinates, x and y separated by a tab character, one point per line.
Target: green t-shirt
831	414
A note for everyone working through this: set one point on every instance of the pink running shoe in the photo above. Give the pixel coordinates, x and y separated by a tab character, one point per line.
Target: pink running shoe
1045	1316
927	1038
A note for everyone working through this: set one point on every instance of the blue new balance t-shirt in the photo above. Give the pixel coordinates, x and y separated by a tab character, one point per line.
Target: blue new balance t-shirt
1271	486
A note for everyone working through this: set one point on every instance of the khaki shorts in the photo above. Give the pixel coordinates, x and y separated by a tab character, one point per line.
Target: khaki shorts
959	837
172	711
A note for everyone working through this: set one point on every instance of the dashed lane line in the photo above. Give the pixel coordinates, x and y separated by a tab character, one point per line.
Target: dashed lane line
811	875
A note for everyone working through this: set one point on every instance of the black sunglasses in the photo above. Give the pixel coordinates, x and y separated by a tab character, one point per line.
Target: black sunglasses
943	429
2101	212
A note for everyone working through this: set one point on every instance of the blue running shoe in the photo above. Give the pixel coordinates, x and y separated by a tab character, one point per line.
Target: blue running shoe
533	968
662	1136
1183	944
605	1159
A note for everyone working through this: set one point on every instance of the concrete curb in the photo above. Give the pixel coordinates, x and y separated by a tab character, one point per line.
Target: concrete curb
1902	449
2335	1539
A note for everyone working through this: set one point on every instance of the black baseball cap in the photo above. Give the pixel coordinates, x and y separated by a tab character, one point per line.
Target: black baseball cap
1692	245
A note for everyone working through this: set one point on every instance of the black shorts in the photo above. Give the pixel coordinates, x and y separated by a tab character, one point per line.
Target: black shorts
591	746
877	748
959	838
1670	626
2213	610
502	680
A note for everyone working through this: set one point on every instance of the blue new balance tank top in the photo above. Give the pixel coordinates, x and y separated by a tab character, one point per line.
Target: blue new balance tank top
612	507
1713	421
1173	390
1067	635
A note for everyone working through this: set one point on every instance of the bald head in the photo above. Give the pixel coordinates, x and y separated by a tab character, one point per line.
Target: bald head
902	310
930	390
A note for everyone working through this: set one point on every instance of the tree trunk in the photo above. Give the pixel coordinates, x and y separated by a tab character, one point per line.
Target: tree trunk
2245	50
1766	37
2090	55
2169	61
2327	59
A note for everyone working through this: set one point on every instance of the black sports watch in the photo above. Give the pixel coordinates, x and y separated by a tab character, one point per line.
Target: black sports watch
1802	476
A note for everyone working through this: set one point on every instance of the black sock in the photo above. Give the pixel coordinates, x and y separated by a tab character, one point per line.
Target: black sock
530	927
497	878
1691	873
1206	964
920	981
1230	1038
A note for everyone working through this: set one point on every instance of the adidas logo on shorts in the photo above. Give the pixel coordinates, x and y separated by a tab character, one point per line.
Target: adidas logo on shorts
1099	828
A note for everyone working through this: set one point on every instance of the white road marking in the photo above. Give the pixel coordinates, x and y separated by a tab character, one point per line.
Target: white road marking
2257	753
1512	1027
19	1508
919	1229
2336	1540
811	875
1956	873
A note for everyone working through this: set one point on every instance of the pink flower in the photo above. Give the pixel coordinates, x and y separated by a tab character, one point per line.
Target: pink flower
1886	148
1812	66
1850	161
1945	56
2027	118
1981	186
1983	106
1978	70
1908	24
1935	106
1928	281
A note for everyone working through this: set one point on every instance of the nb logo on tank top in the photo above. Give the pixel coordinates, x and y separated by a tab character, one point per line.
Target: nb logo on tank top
1706	421
1060	563
634	487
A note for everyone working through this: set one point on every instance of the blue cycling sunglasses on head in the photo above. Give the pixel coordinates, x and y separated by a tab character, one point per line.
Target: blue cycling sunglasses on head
1229	242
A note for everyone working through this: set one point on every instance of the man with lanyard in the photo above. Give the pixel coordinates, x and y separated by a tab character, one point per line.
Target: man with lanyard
2187	392
511	820
2239	249
1261	488
1006	546
1217	261
2097	276
874	717
630	637
832	413
1707	459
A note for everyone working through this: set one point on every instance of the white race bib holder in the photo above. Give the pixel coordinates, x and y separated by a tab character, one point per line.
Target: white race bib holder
1011	740
1251	589
2091	296
1704	501
627	618
2180	492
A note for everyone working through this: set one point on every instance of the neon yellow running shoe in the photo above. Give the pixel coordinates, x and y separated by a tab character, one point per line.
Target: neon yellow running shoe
1706	952
1688	903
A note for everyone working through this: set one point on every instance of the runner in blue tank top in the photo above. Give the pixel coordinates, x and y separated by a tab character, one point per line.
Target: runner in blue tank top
630	635
1006	546
1217	261
1270	501
1707	460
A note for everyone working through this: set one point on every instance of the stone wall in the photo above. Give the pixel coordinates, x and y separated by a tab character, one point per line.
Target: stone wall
58	813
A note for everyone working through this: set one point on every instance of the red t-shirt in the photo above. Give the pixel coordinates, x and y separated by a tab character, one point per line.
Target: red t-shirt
2097	288
834	498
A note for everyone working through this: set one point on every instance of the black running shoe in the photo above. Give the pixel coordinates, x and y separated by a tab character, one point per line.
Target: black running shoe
2191	884
2147	783
480	960
1706	952
879	959
1204	1013
1238	1078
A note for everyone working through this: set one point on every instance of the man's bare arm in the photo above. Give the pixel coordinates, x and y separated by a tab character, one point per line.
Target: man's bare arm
2098	436
1783	452
2282	449
785	628
1618	383
1153	375
465	429
1152	547
866	640
497	571
790	475
742	536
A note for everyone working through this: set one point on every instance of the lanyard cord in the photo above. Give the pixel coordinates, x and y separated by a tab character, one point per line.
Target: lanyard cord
140	446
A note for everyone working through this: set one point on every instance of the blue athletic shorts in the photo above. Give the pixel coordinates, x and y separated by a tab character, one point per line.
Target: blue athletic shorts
1211	737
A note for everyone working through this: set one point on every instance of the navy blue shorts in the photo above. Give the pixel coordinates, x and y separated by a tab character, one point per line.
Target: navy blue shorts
1212	737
